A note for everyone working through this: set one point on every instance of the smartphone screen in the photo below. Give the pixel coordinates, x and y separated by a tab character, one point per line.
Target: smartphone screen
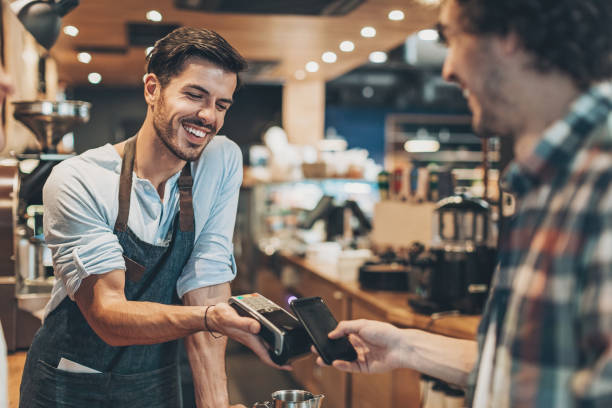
318	321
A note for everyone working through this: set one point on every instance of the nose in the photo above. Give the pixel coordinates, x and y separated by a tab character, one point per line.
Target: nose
207	114
448	69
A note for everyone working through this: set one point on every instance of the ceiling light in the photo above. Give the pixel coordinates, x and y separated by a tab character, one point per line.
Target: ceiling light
347	46
94	78
148	50
368	32
299	75
312	66
154	15
428	35
396	15
329	57
378	57
70	30
84	57
367	92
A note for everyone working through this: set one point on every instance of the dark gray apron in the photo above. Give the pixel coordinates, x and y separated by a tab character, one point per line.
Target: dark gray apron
134	376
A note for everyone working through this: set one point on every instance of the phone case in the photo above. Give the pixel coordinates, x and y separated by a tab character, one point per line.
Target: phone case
328	359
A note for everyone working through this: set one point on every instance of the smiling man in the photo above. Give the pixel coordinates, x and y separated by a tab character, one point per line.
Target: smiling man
135	230
539	72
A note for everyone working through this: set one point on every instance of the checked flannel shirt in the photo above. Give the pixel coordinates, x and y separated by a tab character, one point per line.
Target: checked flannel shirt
549	316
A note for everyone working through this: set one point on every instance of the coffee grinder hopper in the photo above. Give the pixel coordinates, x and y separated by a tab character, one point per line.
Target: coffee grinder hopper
51	120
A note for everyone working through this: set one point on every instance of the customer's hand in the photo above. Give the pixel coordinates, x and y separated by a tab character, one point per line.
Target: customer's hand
378	346
237	406
222	318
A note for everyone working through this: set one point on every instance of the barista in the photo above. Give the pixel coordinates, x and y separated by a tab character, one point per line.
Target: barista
137	228
538	71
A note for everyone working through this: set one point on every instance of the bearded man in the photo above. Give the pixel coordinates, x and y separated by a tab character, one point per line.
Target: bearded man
135	230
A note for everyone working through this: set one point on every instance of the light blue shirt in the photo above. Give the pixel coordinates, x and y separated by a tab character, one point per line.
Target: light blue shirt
81	206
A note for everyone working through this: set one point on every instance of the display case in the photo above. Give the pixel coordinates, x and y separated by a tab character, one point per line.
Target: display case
269	217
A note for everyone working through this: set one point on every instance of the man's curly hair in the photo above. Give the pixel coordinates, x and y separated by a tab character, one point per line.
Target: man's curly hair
572	36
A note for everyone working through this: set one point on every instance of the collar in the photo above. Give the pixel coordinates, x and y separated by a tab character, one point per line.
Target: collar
561	142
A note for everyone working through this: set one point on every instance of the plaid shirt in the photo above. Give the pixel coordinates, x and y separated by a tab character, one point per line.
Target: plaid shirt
550	308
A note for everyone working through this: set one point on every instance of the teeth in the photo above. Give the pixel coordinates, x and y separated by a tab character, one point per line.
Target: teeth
466	93
195	132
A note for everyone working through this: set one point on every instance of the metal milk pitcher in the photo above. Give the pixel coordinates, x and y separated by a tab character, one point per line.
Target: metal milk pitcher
292	399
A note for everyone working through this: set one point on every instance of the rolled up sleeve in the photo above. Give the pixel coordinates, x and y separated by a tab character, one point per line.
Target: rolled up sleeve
212	260
77	229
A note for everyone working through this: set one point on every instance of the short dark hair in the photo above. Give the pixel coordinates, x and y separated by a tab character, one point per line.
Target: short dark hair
572	36
170	52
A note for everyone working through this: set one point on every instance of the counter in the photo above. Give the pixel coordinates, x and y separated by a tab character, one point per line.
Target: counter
282	275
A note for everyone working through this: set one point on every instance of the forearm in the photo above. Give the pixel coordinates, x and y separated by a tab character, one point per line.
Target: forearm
207	353
121	322
446	358
125	323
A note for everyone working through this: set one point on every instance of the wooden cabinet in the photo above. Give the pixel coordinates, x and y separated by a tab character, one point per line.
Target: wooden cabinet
397	389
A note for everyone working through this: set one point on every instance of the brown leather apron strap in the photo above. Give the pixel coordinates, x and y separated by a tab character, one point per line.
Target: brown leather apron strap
185	185
125	184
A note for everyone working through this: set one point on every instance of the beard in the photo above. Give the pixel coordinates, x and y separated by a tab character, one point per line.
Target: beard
496	110
169	136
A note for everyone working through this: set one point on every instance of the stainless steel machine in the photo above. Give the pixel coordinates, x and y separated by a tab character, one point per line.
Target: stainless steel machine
26	272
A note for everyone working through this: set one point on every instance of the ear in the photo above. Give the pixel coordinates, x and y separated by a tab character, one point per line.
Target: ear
152	88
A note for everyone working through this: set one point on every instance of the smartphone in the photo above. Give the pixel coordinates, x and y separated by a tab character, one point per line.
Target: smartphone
318	321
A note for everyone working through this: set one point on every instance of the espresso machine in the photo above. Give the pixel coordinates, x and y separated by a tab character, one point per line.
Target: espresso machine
456	271
25	267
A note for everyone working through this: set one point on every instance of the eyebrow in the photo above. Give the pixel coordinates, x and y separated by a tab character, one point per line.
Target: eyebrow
205	91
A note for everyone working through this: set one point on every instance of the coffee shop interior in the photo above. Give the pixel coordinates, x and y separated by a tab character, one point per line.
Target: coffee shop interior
363	183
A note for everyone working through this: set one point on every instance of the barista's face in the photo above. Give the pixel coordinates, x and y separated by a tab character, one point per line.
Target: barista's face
189	110
473	63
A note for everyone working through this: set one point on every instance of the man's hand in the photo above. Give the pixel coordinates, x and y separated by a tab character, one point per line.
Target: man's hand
237	406
378	346
222	318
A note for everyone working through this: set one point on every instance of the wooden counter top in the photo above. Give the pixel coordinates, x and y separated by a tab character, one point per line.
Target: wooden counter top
393	305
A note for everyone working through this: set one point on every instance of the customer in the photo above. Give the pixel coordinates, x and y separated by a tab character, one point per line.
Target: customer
537	71
138	227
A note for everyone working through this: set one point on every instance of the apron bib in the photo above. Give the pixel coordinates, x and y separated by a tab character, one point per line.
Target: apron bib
133	376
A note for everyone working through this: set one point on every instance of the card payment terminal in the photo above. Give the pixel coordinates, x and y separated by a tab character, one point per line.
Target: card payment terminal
284	334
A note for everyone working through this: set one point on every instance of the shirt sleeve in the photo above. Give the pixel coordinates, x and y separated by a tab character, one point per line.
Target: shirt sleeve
592	382
77	228
212	260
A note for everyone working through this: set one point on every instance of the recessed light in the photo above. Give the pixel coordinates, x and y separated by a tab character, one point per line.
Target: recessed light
428	35
368	32
299	75
378	57
71	30
367	92
148	50
329	57
94	78
84	57
347	46
396	15
312	66
154	15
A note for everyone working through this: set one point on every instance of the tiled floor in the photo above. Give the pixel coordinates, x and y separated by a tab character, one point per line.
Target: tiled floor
249	380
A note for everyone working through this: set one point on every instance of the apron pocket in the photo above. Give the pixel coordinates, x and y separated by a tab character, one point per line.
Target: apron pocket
68	389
